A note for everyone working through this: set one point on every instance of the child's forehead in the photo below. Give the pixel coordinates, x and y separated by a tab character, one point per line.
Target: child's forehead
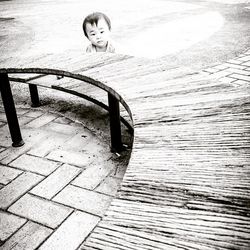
101	23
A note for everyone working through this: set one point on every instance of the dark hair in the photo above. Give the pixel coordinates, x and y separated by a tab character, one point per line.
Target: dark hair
93	19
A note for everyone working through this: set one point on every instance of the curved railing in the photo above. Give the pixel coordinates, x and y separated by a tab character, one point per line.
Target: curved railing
113	100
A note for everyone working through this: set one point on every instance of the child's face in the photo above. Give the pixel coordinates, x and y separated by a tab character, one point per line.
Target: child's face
98	34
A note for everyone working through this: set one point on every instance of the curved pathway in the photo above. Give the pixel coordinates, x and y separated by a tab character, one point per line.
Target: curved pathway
187	183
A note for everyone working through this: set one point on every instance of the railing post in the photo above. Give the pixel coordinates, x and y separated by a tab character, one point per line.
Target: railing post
10	110
34	95
115	124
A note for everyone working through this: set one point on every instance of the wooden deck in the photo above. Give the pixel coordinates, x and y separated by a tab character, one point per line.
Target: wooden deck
187	185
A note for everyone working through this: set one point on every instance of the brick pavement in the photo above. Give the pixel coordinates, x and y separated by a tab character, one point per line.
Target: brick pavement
235	71
53	190
56	188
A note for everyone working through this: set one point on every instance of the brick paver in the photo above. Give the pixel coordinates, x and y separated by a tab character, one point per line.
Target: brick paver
56	181
51	142
63	120
34	174
62	128
70	157
34	113
13	191
40	210
241	77
109	186
31	138
5	140
84	200
72	232
240	82
41	120
23	120
93	176
234	66
35	164
244	58
9	223
7	174
235	71
30	236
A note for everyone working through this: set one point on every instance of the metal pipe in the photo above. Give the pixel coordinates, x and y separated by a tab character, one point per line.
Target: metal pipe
34	95
10	110
115	124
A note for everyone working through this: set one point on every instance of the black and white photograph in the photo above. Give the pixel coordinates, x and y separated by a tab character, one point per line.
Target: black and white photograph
124	125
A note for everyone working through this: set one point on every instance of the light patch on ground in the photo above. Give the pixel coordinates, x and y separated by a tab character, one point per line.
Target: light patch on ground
174	36
55	27
231	1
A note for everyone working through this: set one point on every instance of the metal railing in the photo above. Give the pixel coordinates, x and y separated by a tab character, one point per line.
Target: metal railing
114	100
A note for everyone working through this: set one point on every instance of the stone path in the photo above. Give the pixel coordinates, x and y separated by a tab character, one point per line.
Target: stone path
56	184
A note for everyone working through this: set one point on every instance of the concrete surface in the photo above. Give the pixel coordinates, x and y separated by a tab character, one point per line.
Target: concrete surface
194	33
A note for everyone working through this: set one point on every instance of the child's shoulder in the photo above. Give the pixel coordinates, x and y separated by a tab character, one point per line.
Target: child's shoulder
90	48
111	47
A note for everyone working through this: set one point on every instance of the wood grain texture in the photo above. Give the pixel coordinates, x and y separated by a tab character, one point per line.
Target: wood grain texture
187	185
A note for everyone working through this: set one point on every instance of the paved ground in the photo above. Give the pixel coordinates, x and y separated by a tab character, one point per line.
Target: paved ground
56	182
188	33
35	207
54	190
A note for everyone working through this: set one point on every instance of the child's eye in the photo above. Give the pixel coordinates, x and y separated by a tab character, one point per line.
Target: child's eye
102	32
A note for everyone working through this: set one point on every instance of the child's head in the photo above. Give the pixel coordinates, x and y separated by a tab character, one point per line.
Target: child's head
96	28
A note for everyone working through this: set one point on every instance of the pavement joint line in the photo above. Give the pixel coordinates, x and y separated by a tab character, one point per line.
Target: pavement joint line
73	210
17	228
94	190
48	202
14	178
78	209
25	171
28	219
59	203
27	191
81	170
56	161
78	247
38	173
45	239
59	163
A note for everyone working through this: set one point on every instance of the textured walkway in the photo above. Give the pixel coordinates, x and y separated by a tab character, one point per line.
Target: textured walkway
62	180
187	184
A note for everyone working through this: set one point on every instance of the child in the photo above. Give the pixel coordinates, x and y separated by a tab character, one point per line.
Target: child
96	28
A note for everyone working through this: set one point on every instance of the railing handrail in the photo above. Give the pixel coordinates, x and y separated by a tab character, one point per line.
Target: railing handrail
114	98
